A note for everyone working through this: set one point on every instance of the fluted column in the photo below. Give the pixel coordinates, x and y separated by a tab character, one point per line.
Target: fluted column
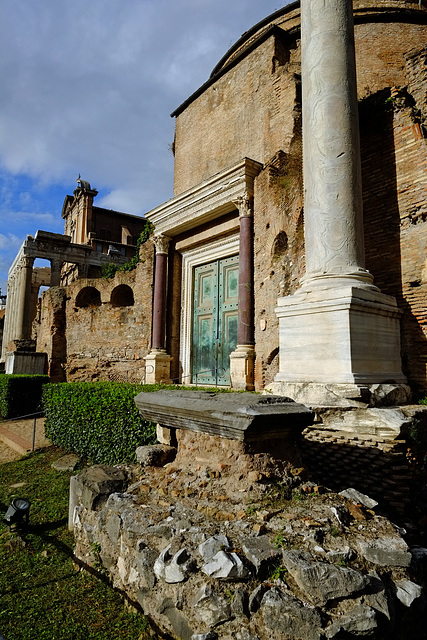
157	362
242	358
23	316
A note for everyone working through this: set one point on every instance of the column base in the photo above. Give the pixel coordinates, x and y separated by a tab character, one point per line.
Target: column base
157	367
339	340
26	363
317	395
242	368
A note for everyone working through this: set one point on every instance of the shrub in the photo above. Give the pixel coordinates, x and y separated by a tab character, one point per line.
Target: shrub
20	395
98	420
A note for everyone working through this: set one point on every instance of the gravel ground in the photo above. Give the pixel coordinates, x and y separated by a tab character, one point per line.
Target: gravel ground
24	428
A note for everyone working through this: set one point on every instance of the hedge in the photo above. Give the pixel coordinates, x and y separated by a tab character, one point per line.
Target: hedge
20	395
98	420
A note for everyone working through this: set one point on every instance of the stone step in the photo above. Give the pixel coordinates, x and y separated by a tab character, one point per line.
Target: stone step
14	441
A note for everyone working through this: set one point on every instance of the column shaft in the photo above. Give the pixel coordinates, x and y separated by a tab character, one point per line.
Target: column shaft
159	302
23	321
333	216
245	326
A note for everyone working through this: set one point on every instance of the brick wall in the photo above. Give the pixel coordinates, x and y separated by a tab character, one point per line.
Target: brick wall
394	163
100	341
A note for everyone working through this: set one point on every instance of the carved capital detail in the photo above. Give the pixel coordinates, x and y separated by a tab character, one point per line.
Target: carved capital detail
161	242
26	262
245	205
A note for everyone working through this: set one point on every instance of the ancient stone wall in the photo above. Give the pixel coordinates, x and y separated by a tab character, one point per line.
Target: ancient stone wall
99	329
394	163
244	114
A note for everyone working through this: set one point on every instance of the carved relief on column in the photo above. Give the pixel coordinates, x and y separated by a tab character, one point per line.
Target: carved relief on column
244	205
333	215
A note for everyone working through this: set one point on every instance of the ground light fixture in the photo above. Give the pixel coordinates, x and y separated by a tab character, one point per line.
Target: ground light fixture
18	511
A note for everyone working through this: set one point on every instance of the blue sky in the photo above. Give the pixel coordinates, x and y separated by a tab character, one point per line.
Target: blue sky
87	87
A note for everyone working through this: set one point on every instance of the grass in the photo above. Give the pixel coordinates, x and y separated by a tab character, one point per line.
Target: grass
43	593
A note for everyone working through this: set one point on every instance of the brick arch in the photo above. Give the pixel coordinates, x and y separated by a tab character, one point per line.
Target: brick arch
122	296
88	297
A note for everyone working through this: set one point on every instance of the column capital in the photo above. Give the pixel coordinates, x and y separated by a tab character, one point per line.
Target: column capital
26	262
244	204
161	242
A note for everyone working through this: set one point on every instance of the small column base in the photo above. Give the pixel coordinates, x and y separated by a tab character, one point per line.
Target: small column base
242	368
157	367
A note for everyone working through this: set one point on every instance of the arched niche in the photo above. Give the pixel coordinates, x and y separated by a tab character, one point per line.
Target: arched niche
122	296
88	297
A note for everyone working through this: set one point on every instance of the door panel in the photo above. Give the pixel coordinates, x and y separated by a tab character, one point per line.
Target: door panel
214	320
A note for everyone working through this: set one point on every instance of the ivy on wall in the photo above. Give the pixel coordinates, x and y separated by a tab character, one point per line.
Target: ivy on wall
110	270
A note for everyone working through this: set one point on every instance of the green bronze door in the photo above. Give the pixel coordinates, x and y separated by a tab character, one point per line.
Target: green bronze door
214	320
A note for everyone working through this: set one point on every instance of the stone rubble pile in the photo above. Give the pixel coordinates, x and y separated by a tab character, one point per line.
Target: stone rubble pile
284	560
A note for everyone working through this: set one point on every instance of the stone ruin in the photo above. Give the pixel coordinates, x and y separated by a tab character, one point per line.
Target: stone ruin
220	534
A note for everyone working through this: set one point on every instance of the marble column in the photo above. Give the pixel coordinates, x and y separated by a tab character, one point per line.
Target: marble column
55	272
242	358
23	316
338	332
157	362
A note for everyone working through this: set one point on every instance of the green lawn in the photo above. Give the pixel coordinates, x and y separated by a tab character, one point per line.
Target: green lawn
43	594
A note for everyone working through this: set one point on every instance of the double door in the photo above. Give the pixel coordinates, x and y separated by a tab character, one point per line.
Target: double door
216	289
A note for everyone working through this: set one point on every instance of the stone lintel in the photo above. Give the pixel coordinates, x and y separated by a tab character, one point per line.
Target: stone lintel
237	416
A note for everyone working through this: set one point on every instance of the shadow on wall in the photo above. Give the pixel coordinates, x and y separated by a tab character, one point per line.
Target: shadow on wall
382	224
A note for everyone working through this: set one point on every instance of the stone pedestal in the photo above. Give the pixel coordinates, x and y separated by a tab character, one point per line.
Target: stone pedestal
26	362
338	329
158	367
343	338
242	368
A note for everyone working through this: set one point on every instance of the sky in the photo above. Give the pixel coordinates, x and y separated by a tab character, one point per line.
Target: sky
87	87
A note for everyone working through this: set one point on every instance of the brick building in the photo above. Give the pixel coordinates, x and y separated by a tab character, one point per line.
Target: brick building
231	240
238	197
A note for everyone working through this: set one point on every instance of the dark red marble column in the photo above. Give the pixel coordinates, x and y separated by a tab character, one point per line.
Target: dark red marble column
245	327
159	299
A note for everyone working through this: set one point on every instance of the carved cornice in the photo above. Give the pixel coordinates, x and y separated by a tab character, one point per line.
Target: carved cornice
206	201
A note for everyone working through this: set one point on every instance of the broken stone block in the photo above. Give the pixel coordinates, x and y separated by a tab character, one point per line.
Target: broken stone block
321	581
98	481
256	597
239	605
179	567
155	455
160	564
392	552
165	435
359	498
407	591
176	619
283	614
227	566
261	553
361	621
210	547
210	607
